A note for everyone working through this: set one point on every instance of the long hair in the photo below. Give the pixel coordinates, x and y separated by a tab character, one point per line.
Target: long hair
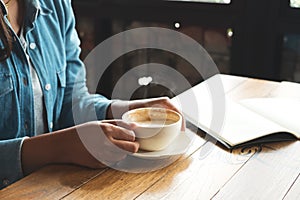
6	38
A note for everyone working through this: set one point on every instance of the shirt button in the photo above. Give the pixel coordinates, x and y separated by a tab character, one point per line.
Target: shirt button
32	45
25	82
51	125
26	125
48	87
5	182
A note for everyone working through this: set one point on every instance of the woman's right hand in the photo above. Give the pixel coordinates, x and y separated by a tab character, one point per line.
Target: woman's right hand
94	144
107	142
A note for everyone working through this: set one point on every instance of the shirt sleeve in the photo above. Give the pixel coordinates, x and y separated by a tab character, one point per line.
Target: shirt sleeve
10	161
79	105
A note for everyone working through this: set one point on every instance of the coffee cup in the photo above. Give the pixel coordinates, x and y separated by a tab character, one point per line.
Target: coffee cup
156	128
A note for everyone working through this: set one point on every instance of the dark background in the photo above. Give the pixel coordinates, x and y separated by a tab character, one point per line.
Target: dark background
265	42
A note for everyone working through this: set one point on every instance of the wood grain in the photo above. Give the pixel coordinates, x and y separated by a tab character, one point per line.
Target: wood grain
119	185
294	192
253	88
52	182
268	175
209	169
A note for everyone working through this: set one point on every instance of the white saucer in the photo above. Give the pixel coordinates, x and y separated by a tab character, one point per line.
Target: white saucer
178	147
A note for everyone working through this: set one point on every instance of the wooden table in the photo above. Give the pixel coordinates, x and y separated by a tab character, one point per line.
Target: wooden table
205	171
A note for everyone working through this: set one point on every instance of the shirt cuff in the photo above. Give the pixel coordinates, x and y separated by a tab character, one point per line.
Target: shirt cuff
10	161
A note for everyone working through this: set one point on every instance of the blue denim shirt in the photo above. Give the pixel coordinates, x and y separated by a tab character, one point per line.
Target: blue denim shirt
53	48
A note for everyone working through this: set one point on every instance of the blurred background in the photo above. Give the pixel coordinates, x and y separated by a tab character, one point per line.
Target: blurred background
253	38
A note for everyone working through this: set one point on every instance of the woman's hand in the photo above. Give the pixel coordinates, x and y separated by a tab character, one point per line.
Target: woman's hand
107	141
120	134
93	144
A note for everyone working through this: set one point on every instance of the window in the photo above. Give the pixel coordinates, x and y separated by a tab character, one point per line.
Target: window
295	3
290	65
211	1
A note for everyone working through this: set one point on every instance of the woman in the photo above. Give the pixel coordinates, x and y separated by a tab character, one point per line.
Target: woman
40	91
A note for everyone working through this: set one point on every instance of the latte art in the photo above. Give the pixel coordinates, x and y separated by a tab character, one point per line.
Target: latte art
155	122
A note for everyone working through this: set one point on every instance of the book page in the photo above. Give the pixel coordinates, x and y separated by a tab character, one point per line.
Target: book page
284	111
215	86
287	89
241	124
232	124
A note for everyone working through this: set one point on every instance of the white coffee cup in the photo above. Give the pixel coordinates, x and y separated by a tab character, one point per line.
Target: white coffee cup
156	128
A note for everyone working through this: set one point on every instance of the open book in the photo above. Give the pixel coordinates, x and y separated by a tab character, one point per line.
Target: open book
240	122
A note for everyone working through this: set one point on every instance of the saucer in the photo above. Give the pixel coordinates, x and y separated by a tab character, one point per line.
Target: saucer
178	147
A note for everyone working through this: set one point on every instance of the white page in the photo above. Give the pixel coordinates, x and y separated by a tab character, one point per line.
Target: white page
237	125
241	124
196	103
284	111
218	84
287	89
207	108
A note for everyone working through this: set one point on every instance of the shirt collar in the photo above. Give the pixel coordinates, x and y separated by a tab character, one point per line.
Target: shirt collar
34	8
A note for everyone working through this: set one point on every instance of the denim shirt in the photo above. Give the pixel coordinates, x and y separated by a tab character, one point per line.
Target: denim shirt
53	47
